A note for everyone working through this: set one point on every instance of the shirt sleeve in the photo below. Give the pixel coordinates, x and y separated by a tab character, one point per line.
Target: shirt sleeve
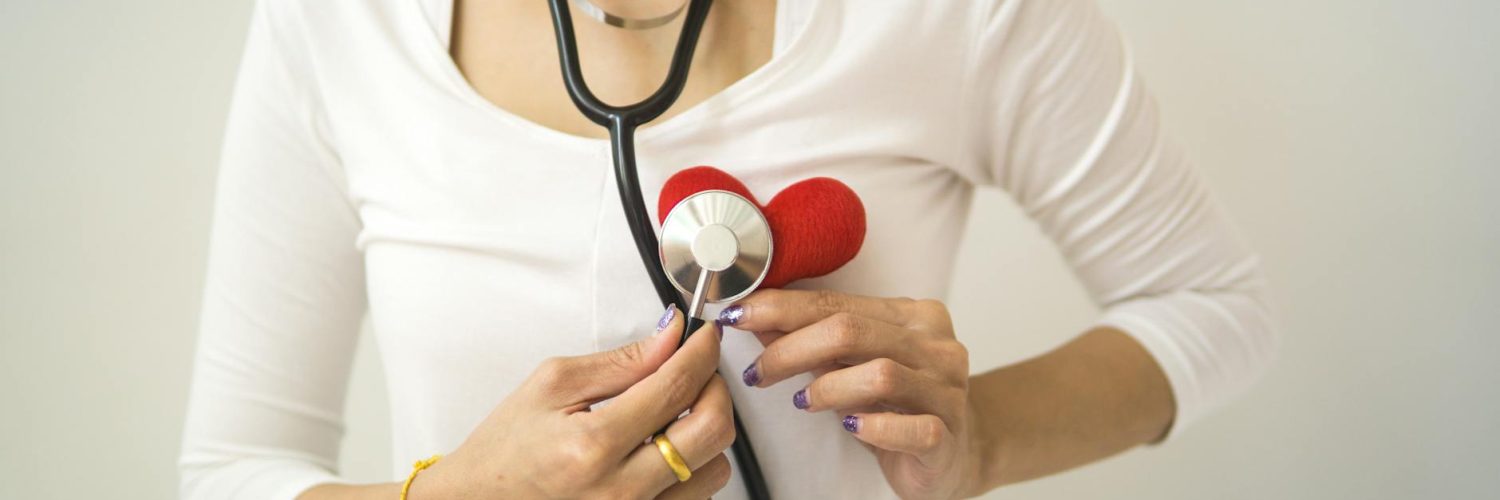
1071	133
284	293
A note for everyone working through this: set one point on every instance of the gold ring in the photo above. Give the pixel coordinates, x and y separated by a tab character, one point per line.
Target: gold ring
674	459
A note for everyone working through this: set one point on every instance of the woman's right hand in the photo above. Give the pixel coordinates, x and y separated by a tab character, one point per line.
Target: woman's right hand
544	442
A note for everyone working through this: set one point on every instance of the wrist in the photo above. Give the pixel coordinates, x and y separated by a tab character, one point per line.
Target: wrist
975	456
434	482
992	442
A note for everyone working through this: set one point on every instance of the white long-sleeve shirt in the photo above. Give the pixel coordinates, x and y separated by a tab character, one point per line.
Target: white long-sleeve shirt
361	173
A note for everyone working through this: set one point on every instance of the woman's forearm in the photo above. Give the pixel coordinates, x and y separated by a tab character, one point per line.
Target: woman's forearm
1095	396
382	491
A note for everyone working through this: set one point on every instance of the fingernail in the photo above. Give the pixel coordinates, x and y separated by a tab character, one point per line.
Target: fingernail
719	328
799	399
851	424
752	374
731	315
666	318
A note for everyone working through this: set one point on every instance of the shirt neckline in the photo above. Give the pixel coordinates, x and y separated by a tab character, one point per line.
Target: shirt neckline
725	100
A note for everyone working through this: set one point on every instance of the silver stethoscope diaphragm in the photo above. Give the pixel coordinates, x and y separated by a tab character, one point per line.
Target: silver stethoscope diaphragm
715	247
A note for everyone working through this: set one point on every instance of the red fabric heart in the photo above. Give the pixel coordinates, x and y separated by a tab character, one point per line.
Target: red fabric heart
817	225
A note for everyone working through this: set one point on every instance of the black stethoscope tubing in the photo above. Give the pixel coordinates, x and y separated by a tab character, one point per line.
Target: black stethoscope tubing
622	122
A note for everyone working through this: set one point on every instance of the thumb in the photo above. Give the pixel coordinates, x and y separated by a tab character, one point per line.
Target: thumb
605	374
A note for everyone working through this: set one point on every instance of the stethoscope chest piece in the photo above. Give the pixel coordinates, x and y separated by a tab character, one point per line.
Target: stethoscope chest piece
715	247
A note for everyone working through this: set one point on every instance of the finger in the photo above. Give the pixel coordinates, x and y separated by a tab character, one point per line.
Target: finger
659	398
788	310
841	339
766	338
704	433
705	481
579	381
920	435
881	383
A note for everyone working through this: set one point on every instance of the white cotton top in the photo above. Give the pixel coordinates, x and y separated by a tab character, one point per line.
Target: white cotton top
361	173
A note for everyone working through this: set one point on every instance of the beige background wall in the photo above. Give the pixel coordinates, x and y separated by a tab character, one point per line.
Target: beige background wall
1354	140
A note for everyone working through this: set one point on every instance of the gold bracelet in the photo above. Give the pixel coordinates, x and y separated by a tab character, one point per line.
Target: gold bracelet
415	468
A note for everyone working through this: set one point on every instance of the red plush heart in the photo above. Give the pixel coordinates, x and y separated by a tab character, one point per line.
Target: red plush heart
817	225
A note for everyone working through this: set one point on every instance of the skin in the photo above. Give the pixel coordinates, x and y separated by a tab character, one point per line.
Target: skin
571	451
893	363
492	38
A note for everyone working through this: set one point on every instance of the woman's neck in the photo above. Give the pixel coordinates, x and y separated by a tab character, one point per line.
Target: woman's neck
508	53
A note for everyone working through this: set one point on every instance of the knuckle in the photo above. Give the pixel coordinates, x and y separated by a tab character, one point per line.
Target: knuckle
720	429
929	433
932	306
960	359
844	330
626	357
583	456
960	351
898	305
935	310
679	390
718	422
591	428
952	352
551	371
950	359
884	377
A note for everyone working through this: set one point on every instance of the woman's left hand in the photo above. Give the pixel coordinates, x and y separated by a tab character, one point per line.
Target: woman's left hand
891	367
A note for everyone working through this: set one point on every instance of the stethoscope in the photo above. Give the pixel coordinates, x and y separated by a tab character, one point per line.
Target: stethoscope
715	246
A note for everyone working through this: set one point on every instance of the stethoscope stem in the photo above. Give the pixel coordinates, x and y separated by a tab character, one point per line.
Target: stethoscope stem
700	294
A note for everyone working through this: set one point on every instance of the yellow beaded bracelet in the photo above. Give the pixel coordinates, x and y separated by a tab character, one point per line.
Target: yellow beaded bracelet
415	468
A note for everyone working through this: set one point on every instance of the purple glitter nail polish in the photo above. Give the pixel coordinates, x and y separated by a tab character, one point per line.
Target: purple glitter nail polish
719	329
851	424
666	318
799	400
752	374
731	315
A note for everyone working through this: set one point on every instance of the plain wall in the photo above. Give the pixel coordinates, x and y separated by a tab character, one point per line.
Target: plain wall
1353	140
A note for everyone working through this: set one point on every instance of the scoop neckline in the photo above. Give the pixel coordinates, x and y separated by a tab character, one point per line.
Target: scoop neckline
740	91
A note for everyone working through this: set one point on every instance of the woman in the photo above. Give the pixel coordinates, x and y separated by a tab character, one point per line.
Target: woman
420	160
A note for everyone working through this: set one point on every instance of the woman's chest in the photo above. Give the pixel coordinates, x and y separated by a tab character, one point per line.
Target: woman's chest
479	222
495	260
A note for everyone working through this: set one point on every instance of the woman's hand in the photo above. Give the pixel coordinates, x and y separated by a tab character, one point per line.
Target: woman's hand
544	442
891	367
